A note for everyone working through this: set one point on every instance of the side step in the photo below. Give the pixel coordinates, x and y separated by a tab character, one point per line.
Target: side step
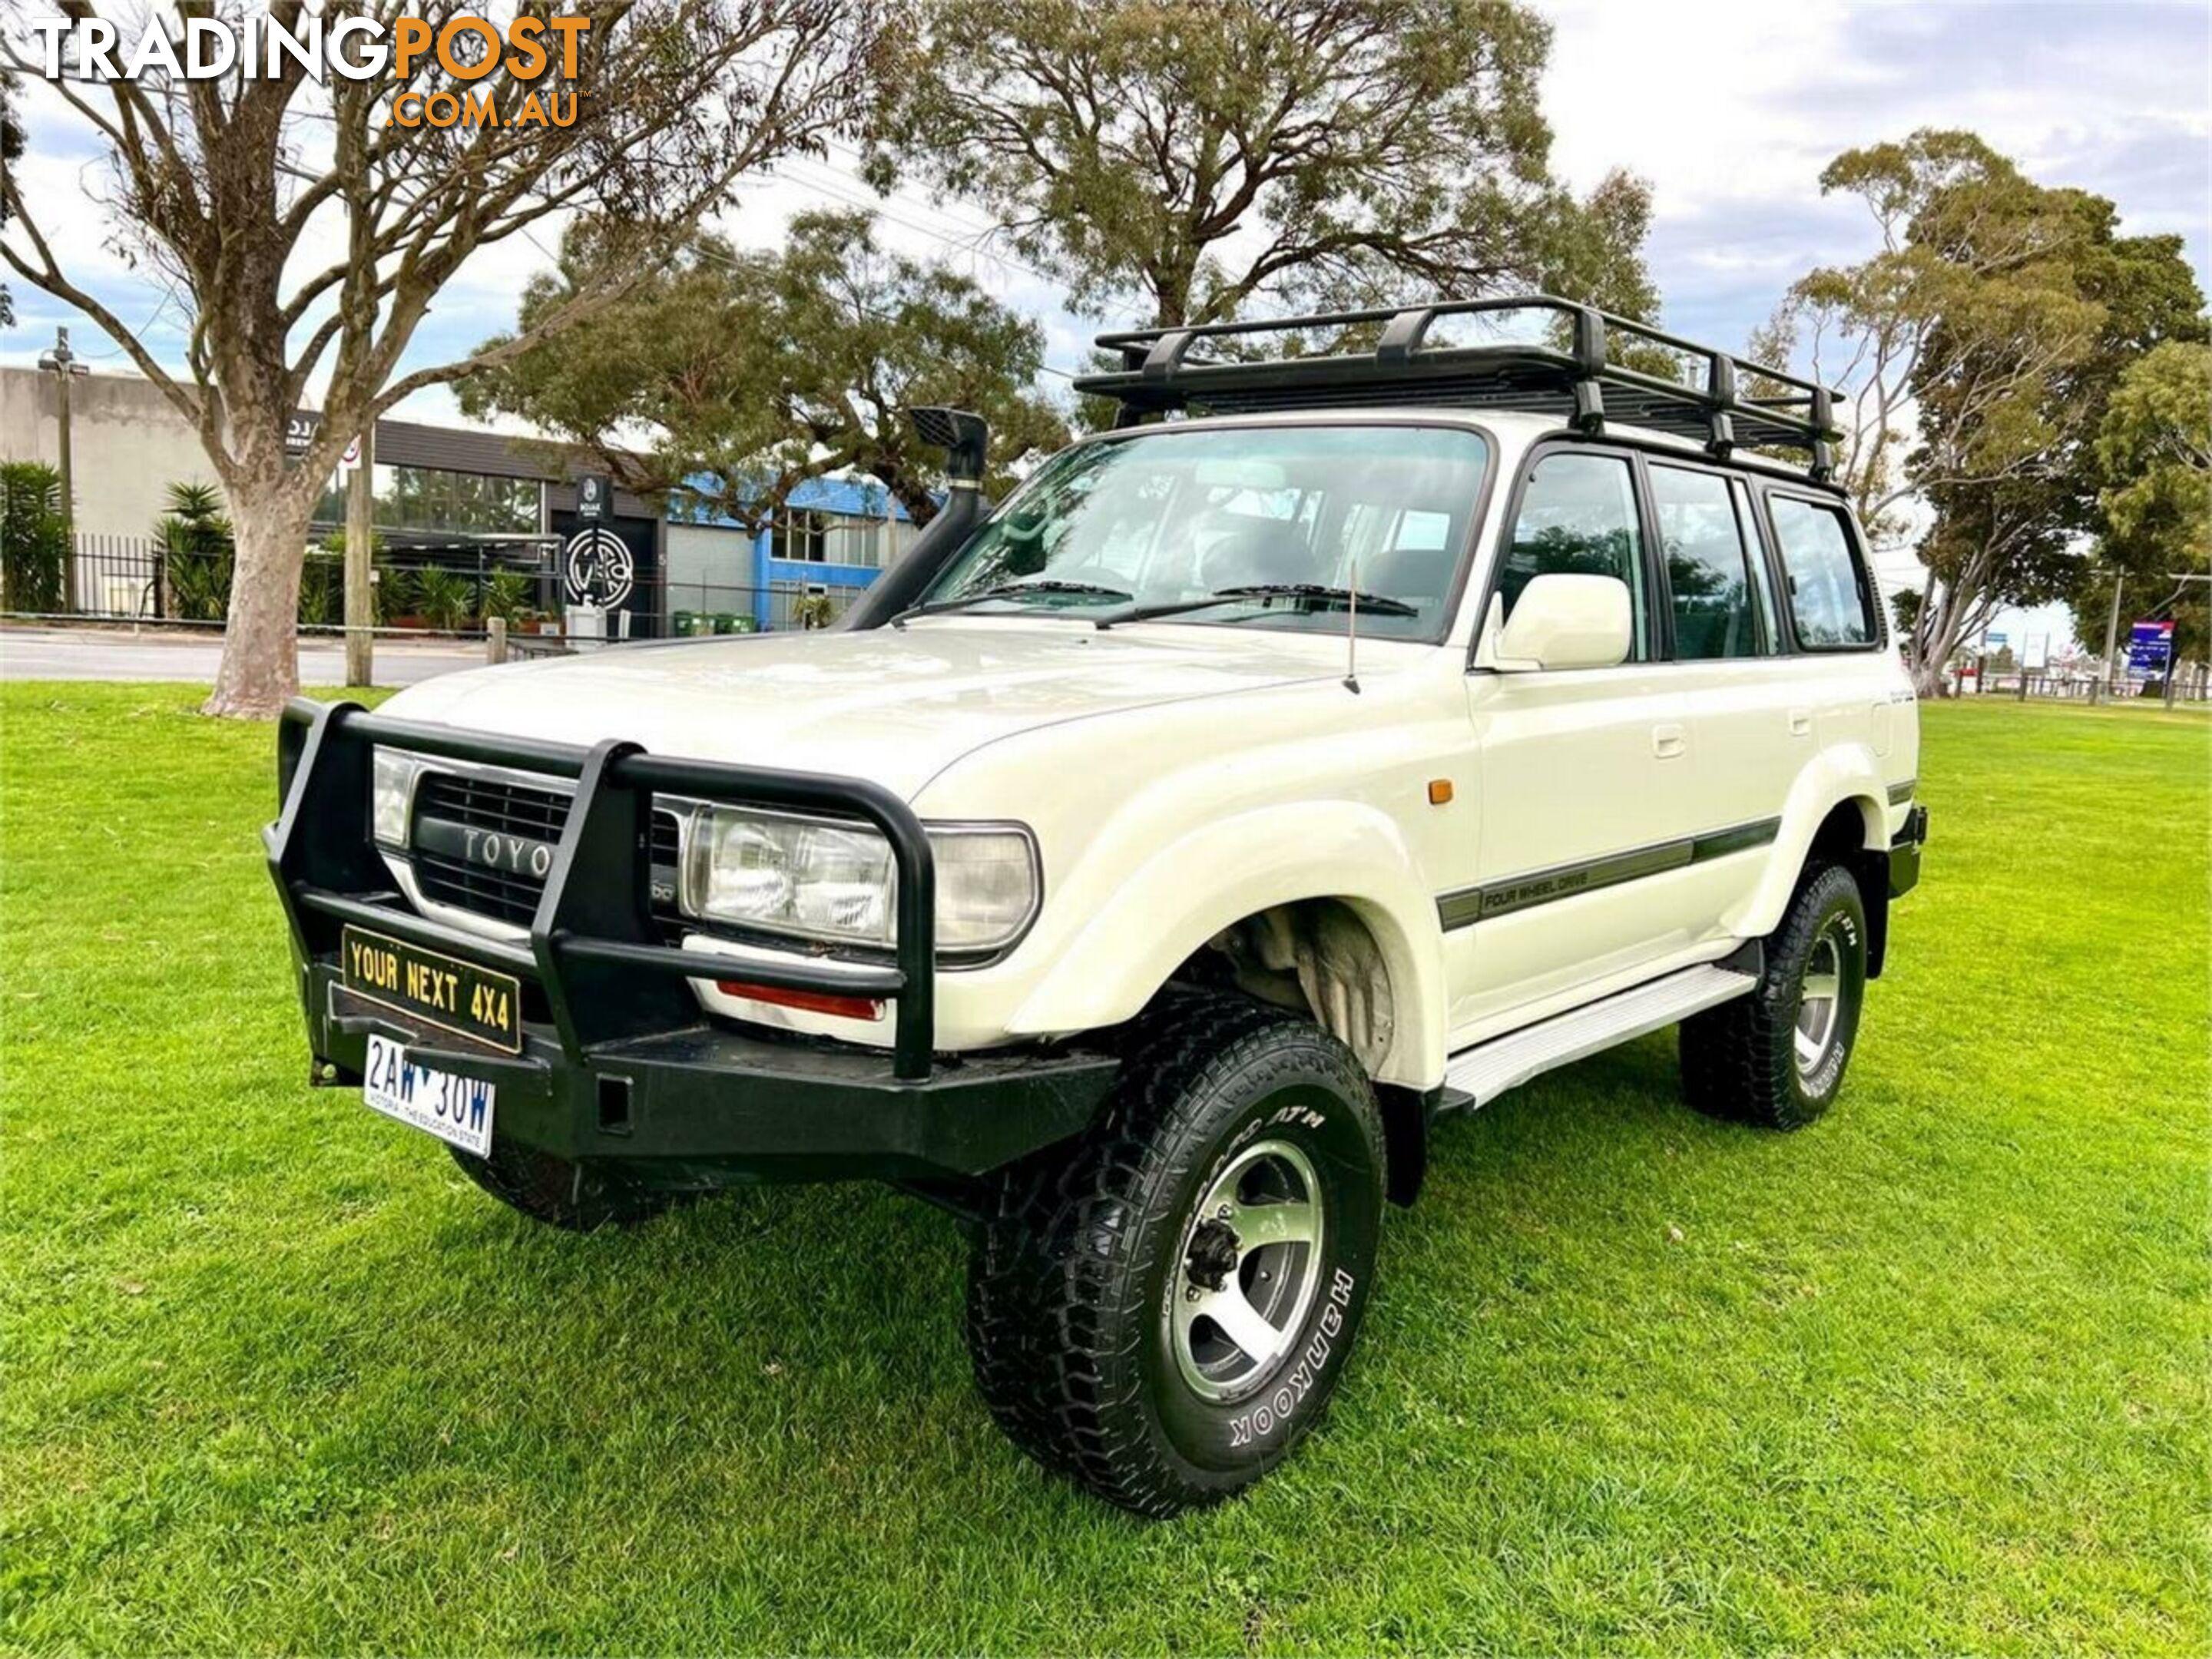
1475	1076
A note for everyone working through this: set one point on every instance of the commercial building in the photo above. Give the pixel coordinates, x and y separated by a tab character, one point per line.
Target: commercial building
474	503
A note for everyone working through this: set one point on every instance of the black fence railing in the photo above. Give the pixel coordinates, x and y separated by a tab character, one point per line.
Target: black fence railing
136	579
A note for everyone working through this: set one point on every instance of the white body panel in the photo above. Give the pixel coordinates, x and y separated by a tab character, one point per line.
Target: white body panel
1180	776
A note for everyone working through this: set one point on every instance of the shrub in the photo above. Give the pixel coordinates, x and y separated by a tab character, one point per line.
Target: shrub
508	594
34	538
197	553
447	598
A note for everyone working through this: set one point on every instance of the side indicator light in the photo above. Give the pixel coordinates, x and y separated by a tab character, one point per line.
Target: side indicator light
1440	791
811	1002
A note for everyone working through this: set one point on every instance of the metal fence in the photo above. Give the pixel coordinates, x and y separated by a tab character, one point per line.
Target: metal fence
135	579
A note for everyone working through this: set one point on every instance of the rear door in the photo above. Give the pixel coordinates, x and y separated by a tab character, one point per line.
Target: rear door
1589	794
1744	699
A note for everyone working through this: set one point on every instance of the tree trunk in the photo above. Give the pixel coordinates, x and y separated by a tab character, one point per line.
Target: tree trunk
260	656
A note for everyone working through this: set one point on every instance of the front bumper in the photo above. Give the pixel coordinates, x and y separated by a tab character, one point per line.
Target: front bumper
618	1064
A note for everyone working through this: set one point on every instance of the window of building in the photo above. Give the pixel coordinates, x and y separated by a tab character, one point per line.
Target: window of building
435	499
1707	573
1578	518
1830	600
802	534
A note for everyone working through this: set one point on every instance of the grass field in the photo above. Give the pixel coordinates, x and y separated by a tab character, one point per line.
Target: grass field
1930	1376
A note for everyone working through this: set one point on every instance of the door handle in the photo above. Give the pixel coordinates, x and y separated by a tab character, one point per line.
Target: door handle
1801	722
1668	741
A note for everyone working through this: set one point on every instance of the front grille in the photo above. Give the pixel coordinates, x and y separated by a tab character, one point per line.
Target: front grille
515	813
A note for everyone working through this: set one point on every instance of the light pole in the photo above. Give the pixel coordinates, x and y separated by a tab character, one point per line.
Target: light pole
2112	625
63	364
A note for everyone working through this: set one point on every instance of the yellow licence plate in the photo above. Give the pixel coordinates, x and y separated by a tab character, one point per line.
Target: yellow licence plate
453	996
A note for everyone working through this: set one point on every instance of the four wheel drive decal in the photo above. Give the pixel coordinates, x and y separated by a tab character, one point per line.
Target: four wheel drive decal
1468	905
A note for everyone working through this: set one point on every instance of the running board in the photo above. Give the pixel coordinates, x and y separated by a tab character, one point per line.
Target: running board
1478	1075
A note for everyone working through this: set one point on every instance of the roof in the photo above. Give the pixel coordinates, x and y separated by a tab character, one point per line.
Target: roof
853	497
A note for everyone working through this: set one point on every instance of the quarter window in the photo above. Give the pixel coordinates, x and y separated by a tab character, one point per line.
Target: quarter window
1830	599
1578	518
1706	572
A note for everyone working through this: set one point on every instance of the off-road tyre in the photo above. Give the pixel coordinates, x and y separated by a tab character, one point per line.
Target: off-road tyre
1740	1060
556	1191
1078	1266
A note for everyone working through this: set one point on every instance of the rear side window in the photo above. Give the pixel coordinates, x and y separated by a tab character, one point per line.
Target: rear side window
1829	599
1707	573
1578	518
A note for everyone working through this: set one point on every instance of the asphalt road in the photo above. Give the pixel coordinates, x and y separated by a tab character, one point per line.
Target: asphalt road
115	654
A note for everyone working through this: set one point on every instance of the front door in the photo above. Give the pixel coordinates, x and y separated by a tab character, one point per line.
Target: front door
1589	795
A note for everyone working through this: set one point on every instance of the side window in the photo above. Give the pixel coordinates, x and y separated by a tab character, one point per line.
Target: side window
1706	572
1762	579
1578	518
1829	599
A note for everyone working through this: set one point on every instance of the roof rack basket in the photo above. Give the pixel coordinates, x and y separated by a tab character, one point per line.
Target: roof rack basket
1569	370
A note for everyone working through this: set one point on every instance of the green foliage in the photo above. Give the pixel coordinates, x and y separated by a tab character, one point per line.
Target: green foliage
1191	159
812	611
197	553
1927	1378
1979	350
395	594
445	599
322	587
508	594
34	541
2155	449
756	372
2153	453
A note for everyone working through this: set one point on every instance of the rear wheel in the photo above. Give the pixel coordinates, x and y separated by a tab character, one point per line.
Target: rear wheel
557	1191
1776	1058
1164	1312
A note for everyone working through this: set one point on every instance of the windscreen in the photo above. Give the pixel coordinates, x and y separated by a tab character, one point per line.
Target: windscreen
1257	527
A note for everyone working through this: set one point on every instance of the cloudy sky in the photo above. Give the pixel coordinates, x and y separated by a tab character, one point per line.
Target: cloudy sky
1729	109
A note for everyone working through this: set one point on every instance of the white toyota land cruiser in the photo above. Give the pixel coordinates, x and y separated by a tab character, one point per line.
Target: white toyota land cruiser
1151	862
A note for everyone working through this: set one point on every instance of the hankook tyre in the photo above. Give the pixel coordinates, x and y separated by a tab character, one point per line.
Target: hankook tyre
1777	1058
557	1191
1163	1311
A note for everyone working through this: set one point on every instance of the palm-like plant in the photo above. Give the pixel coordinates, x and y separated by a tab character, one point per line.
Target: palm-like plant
197	553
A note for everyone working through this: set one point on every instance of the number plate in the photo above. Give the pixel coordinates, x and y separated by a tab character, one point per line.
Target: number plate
442	991
454	1109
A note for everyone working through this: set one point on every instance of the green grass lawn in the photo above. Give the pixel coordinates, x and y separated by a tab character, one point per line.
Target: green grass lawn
1932	1375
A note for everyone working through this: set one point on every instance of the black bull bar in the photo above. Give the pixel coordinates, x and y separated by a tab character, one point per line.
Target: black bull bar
614	989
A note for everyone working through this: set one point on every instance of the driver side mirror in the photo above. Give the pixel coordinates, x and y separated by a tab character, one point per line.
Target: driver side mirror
1565	622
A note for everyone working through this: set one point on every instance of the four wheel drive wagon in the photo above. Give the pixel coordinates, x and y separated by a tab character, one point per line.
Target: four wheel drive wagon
1151	860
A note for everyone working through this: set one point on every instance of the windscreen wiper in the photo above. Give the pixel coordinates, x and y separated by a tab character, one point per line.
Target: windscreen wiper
1312	594
1011	590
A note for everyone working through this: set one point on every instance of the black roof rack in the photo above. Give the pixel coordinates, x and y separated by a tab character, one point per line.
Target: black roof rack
1568	372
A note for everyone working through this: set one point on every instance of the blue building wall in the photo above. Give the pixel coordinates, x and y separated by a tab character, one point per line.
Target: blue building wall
845	497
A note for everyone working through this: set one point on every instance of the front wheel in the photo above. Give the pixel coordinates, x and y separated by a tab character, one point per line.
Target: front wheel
1776	1058
1164	1312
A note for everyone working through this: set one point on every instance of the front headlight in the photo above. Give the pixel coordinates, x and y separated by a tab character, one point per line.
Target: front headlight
391	794
833	881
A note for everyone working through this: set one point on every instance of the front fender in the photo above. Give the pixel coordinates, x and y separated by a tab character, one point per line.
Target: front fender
1847	773
1223	871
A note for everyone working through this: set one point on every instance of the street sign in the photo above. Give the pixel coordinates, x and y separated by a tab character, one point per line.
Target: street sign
2150	644
1997	641
595	499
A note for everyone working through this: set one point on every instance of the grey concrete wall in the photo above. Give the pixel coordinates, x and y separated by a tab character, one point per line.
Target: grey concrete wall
128	444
